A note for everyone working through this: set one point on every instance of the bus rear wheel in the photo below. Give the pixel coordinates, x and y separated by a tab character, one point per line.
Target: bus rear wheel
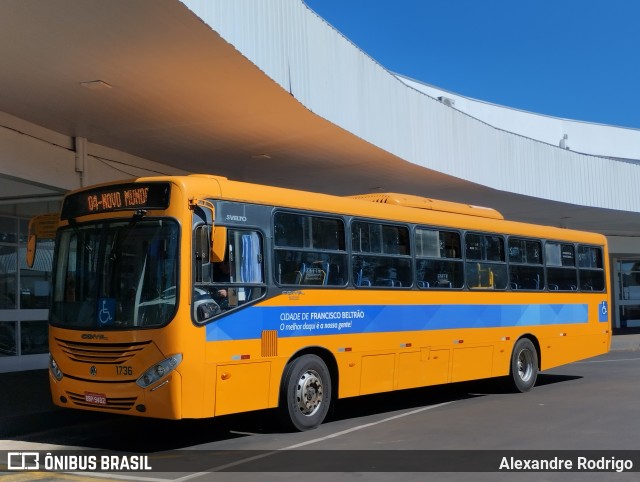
524	366
305	394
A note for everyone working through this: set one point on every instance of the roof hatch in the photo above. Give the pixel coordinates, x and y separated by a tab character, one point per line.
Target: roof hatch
408	200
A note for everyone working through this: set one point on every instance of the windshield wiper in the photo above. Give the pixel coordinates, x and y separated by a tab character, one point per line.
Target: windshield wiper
119	239
76	230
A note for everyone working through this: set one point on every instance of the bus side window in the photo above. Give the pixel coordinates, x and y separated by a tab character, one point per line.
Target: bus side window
309	250
485	265
561	269
381	255
233	282
525	264
590	268
438	261
201	255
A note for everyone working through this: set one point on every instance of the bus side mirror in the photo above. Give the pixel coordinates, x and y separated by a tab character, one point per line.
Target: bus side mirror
42	226
219	244
31	250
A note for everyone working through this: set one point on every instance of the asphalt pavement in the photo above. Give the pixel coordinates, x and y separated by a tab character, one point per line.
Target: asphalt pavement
26	407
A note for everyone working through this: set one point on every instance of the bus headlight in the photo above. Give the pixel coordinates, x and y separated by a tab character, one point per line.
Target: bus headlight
55	371
159	370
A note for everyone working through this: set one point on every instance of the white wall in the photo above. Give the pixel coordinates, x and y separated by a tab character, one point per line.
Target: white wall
44	161
337	81
584	137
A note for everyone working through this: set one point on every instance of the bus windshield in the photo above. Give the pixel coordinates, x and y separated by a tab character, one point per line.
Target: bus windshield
116	274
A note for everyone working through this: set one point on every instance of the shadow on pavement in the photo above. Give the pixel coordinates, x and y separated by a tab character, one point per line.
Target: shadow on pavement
27	414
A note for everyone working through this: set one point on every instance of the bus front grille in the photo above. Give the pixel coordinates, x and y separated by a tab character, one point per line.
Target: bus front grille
100	353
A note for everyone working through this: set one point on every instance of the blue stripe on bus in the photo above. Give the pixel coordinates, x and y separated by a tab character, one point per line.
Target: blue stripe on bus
291	321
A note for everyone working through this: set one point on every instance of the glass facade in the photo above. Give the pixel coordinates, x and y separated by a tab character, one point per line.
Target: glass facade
628	291
24	291
8	346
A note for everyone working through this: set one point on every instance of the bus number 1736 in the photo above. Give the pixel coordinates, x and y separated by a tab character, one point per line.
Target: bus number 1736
124	370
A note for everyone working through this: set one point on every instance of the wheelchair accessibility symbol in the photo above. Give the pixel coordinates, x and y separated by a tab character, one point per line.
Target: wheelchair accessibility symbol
106	311
603	311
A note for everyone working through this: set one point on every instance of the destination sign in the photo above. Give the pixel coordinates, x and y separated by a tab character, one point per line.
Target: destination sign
120	197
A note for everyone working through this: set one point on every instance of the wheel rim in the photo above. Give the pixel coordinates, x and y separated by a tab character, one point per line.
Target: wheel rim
309	392
525	365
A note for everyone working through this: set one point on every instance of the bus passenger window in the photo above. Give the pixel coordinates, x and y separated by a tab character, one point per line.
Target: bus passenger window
381	255
309	250
480	275
590	268
525	265
561	270
438	259
485	266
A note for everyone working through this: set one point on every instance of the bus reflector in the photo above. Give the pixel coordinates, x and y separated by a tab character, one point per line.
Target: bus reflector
505	338
405	345
341	350
457	342
241	357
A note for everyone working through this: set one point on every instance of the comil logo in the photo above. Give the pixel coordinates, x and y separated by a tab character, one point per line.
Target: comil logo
23	461
94	336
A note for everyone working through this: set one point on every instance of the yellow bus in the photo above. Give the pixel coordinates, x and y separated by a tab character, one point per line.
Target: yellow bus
198	296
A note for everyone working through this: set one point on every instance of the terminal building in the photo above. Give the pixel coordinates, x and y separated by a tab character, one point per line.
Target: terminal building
269	92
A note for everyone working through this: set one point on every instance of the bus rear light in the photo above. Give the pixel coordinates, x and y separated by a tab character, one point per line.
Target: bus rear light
53	367
159	370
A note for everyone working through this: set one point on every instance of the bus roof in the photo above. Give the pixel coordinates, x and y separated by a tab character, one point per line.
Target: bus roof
419	202
392	207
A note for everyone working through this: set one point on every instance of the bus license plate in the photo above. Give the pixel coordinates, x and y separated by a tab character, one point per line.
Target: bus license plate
95	398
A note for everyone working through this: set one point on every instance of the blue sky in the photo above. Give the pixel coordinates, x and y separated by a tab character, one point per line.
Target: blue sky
576	59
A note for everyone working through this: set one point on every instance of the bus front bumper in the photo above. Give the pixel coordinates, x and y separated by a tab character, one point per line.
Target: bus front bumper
160	400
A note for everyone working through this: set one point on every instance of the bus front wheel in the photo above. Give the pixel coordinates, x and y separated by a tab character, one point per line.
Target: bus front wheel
524	365
305	393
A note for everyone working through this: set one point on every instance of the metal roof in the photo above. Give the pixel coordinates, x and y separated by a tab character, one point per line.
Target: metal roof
268	92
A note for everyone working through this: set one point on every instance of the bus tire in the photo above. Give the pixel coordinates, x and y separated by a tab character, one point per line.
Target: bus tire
305	393
524	366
